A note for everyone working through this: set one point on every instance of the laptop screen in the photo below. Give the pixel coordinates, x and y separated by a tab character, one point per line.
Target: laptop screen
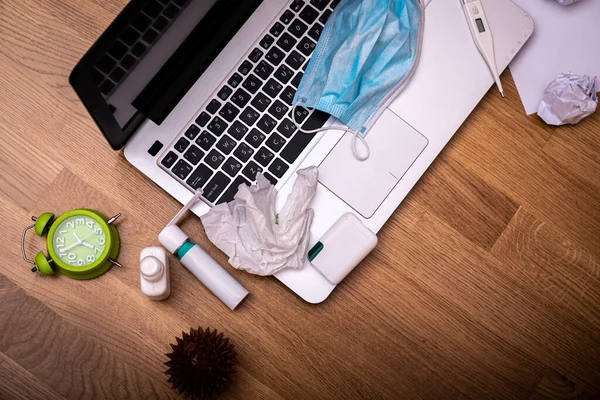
150	56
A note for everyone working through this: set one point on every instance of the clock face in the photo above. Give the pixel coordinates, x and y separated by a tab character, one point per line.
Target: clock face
79	240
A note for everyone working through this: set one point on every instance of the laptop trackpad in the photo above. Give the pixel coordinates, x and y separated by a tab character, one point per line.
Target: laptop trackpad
364	185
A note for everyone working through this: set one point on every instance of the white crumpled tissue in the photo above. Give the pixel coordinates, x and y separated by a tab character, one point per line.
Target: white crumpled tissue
568	99
256	238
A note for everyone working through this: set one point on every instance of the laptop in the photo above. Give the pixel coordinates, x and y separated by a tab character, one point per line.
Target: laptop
199	94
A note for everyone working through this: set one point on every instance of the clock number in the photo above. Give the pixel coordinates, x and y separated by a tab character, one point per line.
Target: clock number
98	231
80	221
72	256
60	246
90	224
97	249
80	262
70	225
63	232
101	240
71	262
60	240
91	258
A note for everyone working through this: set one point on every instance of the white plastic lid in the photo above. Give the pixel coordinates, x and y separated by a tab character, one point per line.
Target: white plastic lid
172	238
151	268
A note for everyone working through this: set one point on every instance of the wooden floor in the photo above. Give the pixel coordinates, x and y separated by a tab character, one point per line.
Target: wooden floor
485	283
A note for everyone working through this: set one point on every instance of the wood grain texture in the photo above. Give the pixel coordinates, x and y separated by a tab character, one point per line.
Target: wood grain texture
485	283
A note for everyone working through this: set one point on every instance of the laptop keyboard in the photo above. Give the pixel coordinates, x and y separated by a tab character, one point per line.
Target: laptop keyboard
134	43
246	126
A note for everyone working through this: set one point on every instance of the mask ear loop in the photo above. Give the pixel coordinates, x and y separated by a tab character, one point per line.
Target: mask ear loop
355	137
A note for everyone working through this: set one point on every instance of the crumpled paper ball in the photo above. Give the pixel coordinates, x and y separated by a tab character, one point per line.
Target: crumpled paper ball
566	2
568	99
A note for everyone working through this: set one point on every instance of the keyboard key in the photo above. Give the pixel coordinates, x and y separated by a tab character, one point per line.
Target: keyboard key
203	119
297	28
181	144
141	22
235	80
309	14
245	68
117	74
300	114
284	74
150	36
161	23
231	166
255	138
241	97
297	5
272	88
182	169
171	11
249	116
319	4
286	41
130	36
315	32
305	66
261	102
224	93
295	60
295	146
214	159
193	155
199	177
275	142
286	17
288	95
297	79
229	112
226	144
306	46
128	61
206	140
255	55
192	132
217	126
106	64
334	4
325	16
216	186
264	156
266	124
263	69
117	50
275	56
237	130
270	178
169	159
277	29
252	84
232	190
106	87
278	110
287	128
213	106
267	41
278	167
97	76
251	170
243	152
139	49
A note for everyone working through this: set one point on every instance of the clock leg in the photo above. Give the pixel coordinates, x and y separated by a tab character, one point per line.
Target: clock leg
113	219
115	263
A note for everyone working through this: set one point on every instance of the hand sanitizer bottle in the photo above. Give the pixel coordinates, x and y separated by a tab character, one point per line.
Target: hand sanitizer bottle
155	279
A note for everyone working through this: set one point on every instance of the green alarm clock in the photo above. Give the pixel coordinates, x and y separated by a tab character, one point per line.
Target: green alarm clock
82	244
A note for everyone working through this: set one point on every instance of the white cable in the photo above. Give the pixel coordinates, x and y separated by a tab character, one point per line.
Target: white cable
337	128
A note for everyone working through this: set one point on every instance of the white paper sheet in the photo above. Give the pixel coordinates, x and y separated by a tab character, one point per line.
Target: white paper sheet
566	39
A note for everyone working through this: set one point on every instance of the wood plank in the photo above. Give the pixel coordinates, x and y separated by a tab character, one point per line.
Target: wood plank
18	383
464	201
555	386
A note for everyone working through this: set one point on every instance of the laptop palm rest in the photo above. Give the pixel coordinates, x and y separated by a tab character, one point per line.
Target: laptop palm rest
364	185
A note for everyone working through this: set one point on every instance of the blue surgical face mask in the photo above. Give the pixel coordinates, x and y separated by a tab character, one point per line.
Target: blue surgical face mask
367	52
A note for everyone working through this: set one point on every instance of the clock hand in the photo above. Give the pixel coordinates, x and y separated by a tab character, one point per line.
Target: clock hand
76	238
86	244
70	247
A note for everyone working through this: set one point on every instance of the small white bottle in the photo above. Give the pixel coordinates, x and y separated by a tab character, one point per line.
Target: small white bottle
155	278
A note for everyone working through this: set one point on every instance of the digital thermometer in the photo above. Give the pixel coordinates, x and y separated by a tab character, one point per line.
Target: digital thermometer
482	35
